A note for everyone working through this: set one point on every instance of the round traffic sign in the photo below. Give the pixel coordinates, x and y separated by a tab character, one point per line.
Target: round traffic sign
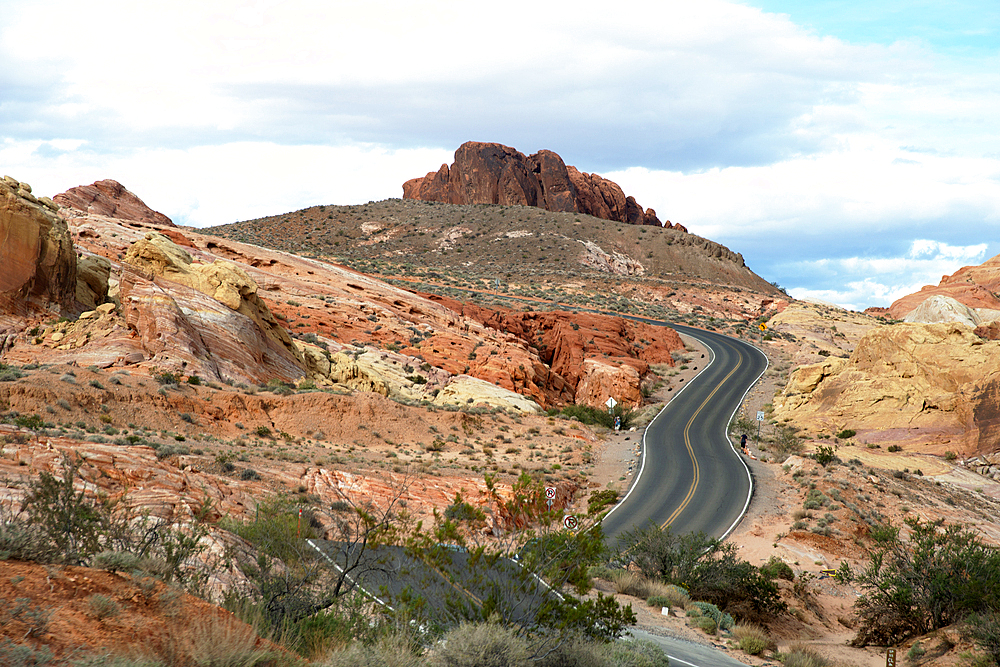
550	492
570	522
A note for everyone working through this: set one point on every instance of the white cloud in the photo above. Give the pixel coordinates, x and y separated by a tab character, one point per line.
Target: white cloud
886	279
211	185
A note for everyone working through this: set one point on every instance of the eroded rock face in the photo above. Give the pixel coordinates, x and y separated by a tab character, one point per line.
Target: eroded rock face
112	199
36	255
973	286
930	384
491	173
207	318
621	351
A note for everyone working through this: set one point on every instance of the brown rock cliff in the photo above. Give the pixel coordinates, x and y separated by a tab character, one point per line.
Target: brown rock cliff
491	173
112	199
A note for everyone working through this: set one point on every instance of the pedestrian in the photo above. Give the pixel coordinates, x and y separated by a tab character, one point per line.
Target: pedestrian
743	443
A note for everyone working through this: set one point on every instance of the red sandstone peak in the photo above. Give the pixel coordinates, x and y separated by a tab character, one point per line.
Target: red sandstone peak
491	173
112	199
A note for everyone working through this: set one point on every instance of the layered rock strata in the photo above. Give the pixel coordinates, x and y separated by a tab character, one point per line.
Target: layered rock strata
112	199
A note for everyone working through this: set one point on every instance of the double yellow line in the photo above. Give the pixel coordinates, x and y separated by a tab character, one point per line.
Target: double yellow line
687	443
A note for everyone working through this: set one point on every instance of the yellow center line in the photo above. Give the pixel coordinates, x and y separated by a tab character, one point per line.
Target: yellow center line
687	443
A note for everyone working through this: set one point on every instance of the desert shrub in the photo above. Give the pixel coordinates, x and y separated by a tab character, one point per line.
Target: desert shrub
460	510
722	619
392	649
194	379
847	434
101	607
116	561
23	654
166	377
824	455
775	568
785	442
941	574
800	656
667	595
706	623
601	500
752	639
249	474
591	416
985	630
635	653
481	645
631	583
213	640
10	373
709	569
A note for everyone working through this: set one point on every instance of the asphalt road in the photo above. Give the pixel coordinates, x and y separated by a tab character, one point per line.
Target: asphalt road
690	478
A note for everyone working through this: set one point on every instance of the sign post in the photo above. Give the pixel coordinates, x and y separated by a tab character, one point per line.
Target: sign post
890	658
760	418
550	495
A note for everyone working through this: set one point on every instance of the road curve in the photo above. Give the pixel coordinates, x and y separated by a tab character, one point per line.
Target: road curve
690	478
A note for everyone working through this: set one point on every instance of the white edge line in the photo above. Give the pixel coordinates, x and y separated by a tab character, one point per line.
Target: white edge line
642	465
725	434
348	577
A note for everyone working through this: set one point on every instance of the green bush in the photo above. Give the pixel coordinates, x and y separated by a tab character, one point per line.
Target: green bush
941	574
709	569
775	568
116	561
635	653
101	607
10	373
481	645
752	639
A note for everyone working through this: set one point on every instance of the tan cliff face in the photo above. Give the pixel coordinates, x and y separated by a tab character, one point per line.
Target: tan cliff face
931	385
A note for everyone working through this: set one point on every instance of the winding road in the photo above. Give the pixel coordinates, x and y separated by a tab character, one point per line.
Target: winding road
690	478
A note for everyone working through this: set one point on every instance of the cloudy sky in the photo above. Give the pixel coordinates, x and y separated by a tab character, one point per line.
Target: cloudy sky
850	150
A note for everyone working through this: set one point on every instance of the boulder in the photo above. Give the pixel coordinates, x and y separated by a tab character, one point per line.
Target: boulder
491	173
112	199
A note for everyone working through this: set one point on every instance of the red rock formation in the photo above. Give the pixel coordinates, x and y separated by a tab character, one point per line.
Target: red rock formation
589	356
39	266
490	173
110	198
974	286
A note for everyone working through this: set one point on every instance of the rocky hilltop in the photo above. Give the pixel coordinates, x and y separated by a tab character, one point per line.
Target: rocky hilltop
491	173
975	287
112	199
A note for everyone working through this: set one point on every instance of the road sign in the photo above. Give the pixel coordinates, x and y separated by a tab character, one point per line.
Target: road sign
760	415
570	522
611	403
550	492
763	327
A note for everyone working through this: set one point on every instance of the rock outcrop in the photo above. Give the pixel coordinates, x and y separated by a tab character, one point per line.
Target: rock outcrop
940	309
491	173
206	317
36	253
933	385
973	286
112	199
